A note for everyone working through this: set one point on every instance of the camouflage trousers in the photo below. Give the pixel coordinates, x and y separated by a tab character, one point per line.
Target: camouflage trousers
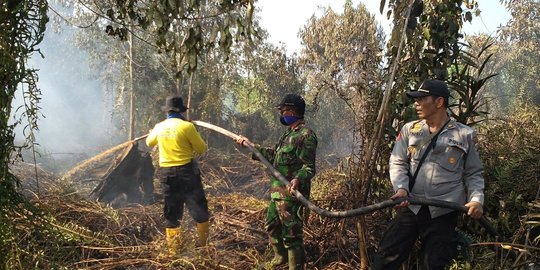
284	222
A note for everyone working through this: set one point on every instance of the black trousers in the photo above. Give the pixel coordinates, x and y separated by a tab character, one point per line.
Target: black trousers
437	236
181	185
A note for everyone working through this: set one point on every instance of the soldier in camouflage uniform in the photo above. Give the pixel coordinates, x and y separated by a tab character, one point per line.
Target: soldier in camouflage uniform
294	157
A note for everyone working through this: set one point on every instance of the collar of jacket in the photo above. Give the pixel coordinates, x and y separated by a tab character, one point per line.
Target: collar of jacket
297	125
175	115
452	123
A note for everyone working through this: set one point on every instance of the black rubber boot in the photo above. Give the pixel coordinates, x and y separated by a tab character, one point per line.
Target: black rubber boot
280	254
296	258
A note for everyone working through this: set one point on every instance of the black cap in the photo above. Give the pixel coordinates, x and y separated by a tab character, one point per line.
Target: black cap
174	103
293	100
430	88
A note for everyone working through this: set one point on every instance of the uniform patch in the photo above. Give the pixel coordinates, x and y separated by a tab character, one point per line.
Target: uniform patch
412	150
455	142
416	128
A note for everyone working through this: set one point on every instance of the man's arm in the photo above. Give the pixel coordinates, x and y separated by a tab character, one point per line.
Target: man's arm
198	144
306	152
267	153
151	140
399	162
474	179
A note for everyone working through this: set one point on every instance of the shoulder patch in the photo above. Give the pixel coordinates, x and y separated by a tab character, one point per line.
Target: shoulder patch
416	127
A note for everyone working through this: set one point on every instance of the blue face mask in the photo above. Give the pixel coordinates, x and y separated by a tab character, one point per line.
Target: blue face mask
288	120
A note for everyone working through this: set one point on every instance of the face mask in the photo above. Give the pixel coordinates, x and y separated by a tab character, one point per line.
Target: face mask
288	120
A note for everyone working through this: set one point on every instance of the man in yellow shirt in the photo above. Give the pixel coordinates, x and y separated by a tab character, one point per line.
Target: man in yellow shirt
178	141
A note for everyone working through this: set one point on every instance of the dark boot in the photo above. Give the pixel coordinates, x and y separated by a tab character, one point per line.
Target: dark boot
296	258
280	253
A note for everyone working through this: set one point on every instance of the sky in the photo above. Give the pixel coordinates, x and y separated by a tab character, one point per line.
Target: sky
284	18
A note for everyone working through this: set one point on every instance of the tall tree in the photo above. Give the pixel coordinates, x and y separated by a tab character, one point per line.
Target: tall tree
264	74
177	25
521	35
341	61
21	30
169	40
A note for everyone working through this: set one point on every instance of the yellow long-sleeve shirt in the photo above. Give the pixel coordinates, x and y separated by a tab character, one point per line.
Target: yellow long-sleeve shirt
177	140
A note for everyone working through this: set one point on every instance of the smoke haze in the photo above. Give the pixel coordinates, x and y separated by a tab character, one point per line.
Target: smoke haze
76	122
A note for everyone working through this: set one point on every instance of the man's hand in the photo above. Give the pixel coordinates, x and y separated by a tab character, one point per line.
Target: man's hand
242	141
294	185
401	193
476	210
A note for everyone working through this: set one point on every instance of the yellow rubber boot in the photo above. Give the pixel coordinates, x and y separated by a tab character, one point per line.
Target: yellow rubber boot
202	230
173	238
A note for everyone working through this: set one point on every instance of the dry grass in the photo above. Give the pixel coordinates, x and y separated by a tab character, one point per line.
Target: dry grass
133	237
87	174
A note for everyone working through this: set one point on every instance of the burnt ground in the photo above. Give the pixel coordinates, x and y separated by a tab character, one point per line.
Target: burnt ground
131	235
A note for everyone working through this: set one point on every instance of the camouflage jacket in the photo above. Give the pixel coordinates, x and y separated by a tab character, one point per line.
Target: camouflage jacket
294	157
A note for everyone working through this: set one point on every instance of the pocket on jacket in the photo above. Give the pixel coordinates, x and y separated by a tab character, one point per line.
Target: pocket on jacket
452	157
287	155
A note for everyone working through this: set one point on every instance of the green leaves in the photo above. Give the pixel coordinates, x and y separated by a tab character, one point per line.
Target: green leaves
185	27
341	60
511	157
21	31
467	80
522	60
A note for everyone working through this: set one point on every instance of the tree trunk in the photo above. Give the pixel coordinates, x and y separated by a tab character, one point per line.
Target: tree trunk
131	89
360	226
190	92
371	155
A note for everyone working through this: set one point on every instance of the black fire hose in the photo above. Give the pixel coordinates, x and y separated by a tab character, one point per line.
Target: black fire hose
354	212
